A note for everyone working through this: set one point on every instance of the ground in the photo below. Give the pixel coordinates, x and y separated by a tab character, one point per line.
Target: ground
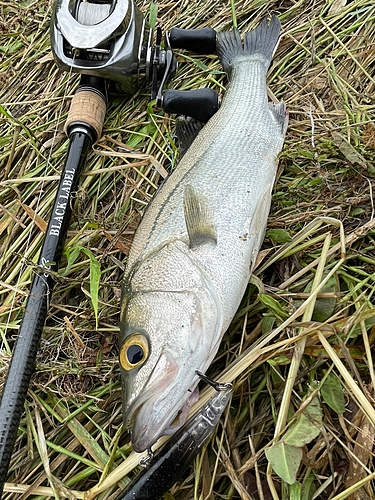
300	424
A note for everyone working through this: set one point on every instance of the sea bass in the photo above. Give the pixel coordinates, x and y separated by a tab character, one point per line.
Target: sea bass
195	248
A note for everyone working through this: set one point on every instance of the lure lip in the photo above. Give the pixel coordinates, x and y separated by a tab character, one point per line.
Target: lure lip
164	468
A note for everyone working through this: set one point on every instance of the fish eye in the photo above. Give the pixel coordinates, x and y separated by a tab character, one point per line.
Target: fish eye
134	351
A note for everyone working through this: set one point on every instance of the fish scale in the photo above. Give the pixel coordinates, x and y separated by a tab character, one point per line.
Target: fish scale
201	233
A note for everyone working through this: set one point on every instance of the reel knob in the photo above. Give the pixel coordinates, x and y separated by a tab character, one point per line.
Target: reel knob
200	104
202	41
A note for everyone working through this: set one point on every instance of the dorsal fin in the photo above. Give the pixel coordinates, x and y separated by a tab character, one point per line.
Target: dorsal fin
187	130
198	219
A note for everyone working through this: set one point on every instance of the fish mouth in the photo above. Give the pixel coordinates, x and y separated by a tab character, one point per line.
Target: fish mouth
152	413
147	428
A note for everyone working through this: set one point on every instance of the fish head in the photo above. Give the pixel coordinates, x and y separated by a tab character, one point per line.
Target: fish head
165	338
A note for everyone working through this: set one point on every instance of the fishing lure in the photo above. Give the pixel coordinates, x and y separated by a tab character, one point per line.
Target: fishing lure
167	466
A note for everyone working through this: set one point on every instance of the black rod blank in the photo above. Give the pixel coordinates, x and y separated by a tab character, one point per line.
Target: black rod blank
23	358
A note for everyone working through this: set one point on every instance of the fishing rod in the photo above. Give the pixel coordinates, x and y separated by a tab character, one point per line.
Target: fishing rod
103	40
82	130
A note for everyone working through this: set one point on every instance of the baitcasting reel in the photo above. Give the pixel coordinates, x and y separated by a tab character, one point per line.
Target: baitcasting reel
112	40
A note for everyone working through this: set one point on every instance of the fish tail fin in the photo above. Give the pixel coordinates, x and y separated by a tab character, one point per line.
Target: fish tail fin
261	41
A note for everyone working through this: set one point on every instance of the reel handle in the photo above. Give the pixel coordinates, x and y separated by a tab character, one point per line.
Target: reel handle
200	104
202	41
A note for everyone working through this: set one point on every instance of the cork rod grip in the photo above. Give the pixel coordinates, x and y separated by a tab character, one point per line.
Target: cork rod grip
87	107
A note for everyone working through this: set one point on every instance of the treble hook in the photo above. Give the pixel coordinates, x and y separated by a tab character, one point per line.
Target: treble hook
145	461
216	385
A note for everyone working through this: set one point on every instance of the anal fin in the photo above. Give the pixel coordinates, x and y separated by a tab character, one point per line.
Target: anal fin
198	219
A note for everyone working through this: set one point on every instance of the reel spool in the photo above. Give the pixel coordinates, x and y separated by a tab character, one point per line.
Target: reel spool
105	38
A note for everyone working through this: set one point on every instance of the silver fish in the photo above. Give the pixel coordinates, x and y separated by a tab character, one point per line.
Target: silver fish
195	249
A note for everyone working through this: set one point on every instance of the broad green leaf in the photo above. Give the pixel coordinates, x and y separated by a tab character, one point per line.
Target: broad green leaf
257	283
368	317
324	307
153	15
279	360
267	324
72	255
273	306
277	379
94	281
295	491
305	429
356	211
309	488
10	49
285	460
15	47
279	236
291	412
332	393
314	411
302	432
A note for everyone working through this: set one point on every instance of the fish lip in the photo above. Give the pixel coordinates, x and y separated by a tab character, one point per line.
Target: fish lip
134	408
152	413
144	439
147	430
159	380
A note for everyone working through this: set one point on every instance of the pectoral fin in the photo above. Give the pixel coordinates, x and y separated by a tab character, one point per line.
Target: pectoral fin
198	219
281	115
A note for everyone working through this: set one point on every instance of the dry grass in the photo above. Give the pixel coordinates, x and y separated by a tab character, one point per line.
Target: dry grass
70	435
